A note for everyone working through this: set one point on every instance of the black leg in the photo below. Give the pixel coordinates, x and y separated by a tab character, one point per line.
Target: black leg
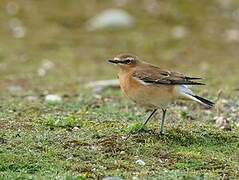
162	121
150	116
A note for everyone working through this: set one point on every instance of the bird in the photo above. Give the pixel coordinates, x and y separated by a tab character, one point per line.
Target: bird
152	87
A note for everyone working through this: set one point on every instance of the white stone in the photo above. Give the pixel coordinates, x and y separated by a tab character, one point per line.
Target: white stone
140	162
111	18
179	32
47	64
53	98
135	178
222	123
45	67
122	152
19	32
76	129
32	98
41	72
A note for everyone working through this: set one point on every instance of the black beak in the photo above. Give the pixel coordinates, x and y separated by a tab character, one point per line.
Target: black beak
114	61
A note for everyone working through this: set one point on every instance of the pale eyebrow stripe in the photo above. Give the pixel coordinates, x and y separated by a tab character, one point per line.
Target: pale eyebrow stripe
130	58
117	59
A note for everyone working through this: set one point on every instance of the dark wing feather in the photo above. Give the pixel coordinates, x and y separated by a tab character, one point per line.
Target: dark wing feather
155	75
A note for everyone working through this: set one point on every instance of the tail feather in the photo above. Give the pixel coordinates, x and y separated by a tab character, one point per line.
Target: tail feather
204	101
186	92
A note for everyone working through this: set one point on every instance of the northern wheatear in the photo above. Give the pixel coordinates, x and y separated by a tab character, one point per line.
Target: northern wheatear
150	86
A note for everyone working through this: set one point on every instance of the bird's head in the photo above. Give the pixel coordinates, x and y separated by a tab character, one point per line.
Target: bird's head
125	61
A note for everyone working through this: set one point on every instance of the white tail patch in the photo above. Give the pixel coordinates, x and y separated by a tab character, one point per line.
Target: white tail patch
186	92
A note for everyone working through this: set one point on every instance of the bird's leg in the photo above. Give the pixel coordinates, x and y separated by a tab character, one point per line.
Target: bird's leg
147	120
150	116
162	121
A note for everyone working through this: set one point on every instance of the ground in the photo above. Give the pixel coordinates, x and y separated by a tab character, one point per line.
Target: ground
82	136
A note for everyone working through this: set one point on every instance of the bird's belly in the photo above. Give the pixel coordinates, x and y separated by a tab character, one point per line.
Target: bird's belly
148	95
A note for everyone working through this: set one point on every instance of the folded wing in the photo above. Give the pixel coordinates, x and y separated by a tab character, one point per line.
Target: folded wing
154	75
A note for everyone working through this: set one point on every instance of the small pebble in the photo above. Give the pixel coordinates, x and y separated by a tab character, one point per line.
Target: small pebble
179	32
140	162
75	129
32	98
46	66
124	137
135	178
53	98
122	152
111	18
222	123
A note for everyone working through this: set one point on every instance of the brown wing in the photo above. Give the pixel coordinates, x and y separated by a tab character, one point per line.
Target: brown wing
154	75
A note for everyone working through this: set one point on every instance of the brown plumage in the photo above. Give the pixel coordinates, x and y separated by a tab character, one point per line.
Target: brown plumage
152	74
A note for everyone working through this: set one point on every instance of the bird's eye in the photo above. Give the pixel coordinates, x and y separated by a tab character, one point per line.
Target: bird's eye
127	61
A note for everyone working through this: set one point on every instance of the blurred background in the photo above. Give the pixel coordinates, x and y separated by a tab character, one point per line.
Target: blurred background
52	126
58	45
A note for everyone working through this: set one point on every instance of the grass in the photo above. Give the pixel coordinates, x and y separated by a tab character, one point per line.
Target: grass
83	137
43	141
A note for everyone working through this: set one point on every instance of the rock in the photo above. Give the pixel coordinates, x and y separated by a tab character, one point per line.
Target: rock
19	32
222	123
47	64
45	67
31	98
140	162
122	152
124	137
135	178
179	32
53	98
112	178
111	19
75	129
